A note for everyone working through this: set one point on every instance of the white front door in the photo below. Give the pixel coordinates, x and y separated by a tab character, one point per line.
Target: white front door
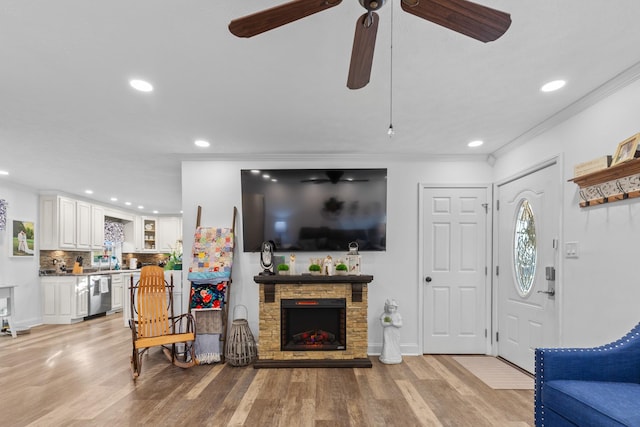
454	269
528	220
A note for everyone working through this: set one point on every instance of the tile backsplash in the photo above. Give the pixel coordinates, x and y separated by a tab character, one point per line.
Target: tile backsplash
69	257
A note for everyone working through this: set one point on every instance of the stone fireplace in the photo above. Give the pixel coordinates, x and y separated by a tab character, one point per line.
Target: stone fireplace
313	321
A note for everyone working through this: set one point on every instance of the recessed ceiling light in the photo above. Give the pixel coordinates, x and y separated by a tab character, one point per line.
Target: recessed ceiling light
88	191
274	180
140	207
202	143
114	199
141	85
476	143
265	176
553	85
4	173
127	203
255	171
155	212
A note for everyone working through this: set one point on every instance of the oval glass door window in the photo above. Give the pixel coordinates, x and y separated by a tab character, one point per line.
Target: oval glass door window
525	249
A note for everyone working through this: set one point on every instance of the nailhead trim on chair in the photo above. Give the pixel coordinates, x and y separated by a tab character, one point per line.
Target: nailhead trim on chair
630	336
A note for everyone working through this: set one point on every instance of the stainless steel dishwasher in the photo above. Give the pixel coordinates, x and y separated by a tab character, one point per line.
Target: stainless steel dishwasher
99	294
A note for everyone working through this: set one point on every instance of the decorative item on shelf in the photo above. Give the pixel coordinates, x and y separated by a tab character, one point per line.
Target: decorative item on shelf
342	269
354	259
327	266
283	269
315	269
591	166
292	264
266	259
627	150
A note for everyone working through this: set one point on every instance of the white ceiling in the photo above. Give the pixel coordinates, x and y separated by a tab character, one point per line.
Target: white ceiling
70	122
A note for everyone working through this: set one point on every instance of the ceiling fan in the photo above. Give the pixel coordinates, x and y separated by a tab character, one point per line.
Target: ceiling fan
465	17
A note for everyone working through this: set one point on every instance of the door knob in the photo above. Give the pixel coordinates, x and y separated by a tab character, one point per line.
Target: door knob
427	279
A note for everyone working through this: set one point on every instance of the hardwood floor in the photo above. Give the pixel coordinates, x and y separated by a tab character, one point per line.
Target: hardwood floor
79	375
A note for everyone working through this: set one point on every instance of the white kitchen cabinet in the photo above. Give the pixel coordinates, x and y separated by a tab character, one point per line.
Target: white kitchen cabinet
132	235
83	225
82	297
169	232
65	223
117	291
65	299
48	223
150	234
97	227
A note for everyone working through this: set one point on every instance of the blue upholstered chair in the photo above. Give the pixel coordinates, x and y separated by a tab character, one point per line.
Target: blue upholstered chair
597	386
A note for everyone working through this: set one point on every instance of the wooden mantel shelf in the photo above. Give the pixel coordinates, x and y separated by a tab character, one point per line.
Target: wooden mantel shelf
302	279
270	281
619	182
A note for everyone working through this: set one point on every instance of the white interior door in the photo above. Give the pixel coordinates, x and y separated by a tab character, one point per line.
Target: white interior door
454	265
528	228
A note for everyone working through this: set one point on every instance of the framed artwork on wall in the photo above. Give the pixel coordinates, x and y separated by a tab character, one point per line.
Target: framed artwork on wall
626	150
23	238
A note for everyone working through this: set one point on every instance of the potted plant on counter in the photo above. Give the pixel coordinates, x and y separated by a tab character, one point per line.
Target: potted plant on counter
315	269
341	269
283	269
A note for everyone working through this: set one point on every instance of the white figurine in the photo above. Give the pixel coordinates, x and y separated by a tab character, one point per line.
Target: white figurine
327	266
391	324
292	264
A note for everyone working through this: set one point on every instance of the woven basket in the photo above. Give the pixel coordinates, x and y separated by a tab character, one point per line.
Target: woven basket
241	346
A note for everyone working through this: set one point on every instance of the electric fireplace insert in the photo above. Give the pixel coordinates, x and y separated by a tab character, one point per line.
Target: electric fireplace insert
313	324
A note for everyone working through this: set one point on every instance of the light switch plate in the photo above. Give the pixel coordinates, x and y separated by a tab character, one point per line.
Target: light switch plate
571	250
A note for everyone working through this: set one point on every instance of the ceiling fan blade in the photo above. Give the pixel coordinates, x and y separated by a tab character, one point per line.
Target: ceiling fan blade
268	19
471	19
364	43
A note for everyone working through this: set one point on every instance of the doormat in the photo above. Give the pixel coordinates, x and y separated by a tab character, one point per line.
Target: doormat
495	373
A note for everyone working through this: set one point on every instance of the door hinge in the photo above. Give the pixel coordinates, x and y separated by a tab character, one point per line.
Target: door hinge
497	270
485	333
497	336
497	205
486	270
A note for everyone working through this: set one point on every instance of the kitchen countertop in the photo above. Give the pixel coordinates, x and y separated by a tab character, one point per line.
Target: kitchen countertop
86	272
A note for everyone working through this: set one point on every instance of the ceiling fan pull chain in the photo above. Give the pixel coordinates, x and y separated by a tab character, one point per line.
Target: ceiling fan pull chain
368	20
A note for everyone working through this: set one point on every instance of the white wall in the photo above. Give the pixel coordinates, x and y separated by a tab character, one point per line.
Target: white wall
599	293
215	185
21	271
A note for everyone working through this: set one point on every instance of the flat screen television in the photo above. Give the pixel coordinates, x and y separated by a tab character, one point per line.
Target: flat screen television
308	210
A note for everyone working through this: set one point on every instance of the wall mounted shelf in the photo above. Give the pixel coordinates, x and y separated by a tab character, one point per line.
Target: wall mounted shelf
619	182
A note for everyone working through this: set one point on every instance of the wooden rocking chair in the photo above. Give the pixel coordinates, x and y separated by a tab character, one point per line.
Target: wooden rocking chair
153	323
